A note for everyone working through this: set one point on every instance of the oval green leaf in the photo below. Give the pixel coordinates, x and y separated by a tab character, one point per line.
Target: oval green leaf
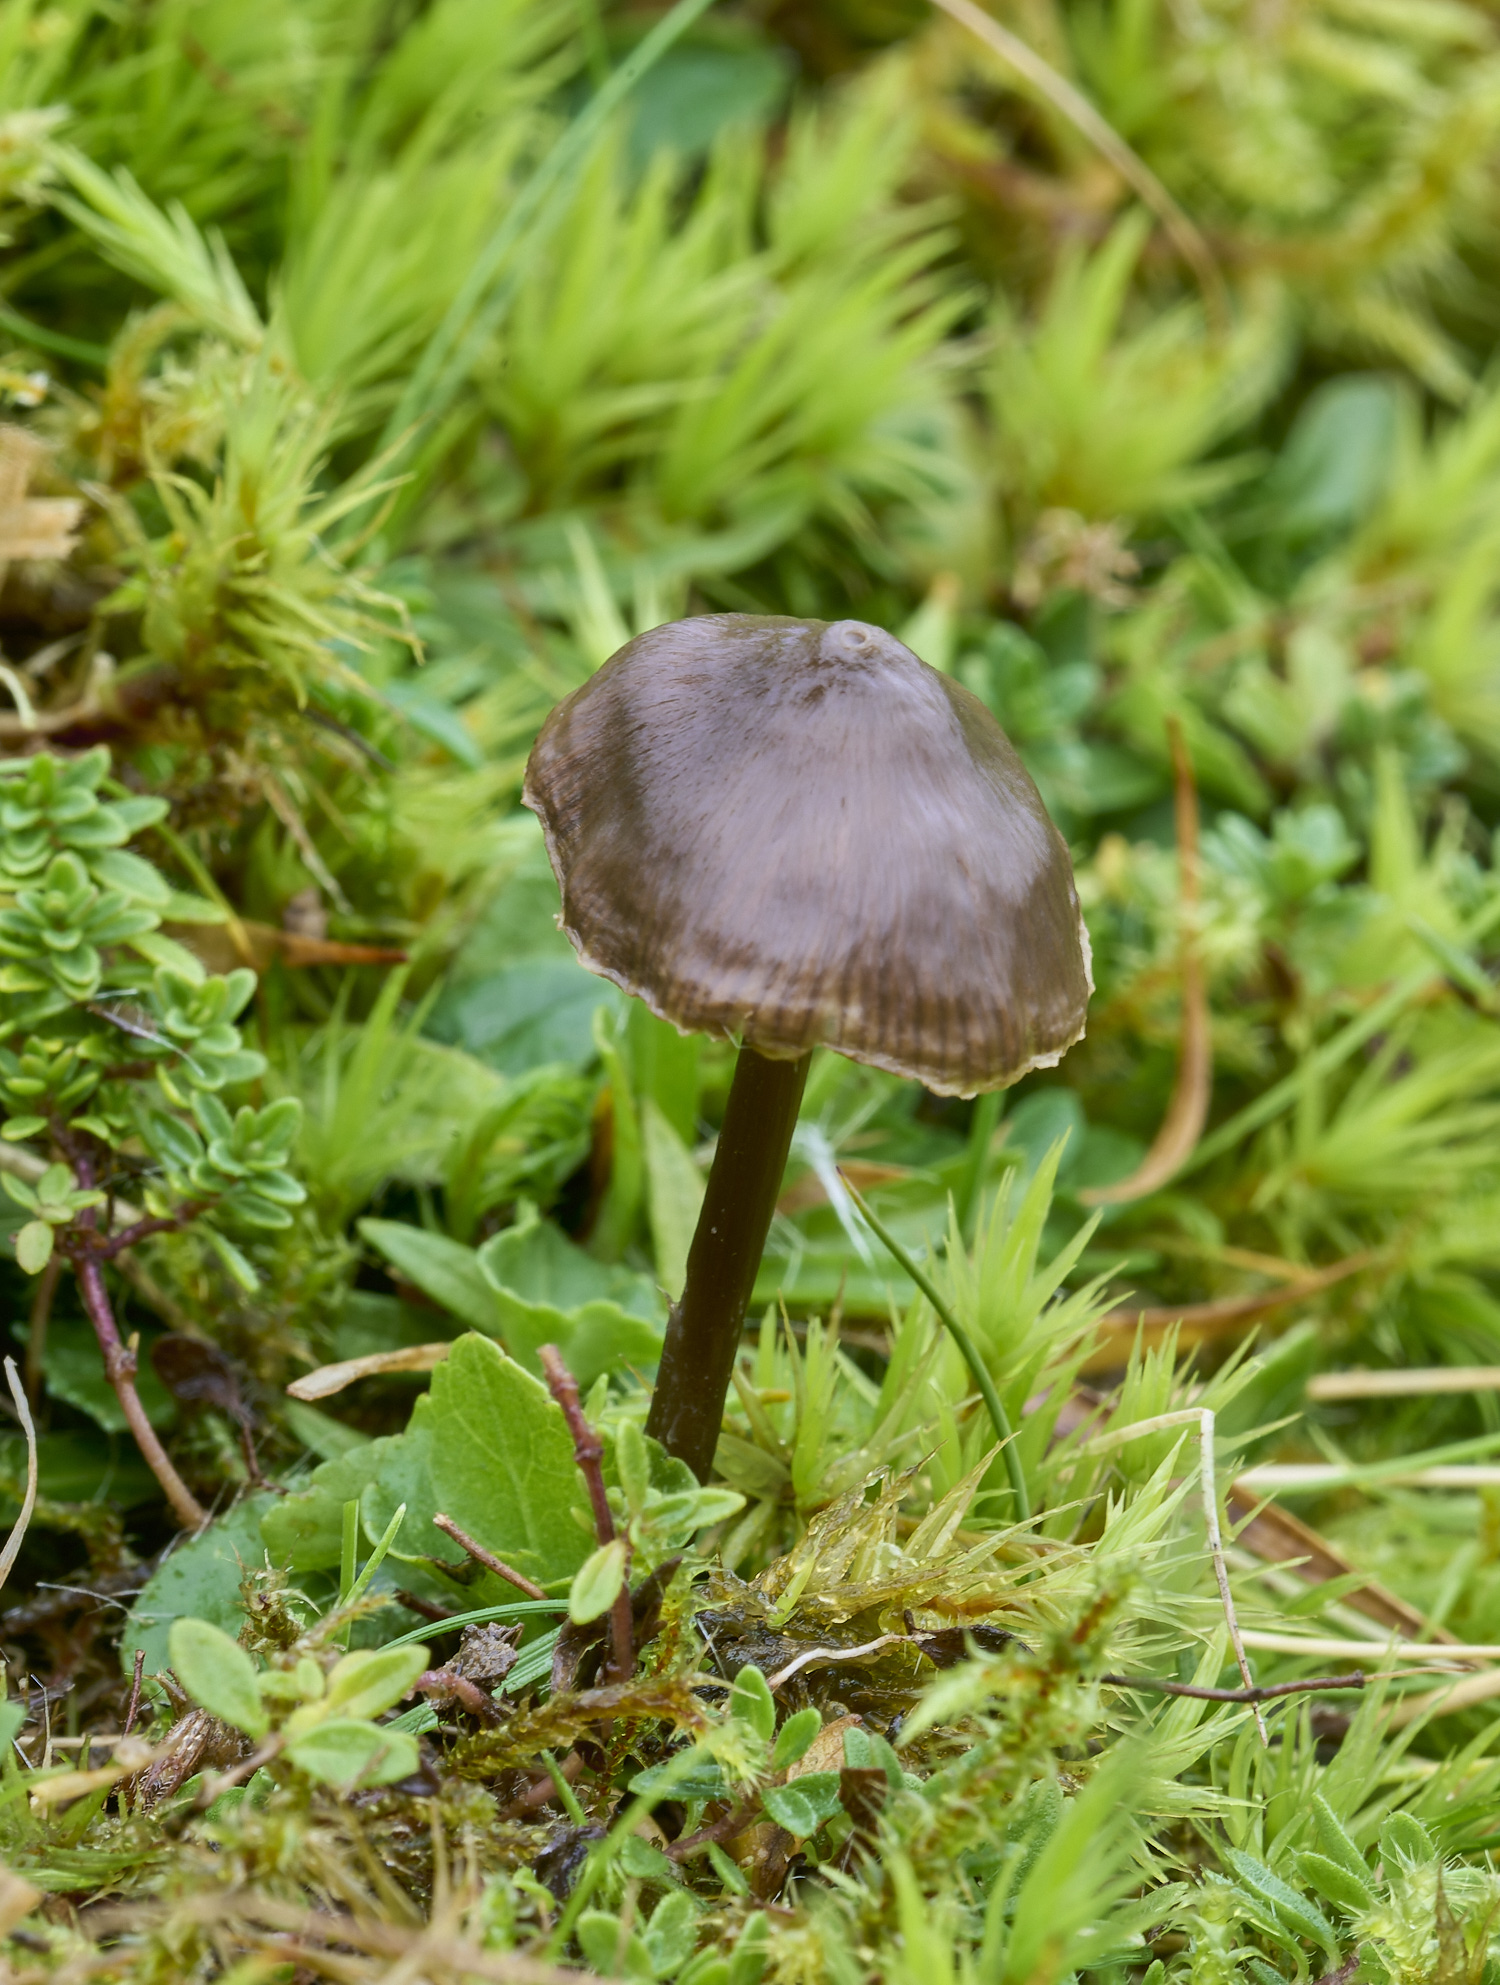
373	1680
751	1701
794	1737
347	1754
34	1246
805	1804
218	1674
596	1584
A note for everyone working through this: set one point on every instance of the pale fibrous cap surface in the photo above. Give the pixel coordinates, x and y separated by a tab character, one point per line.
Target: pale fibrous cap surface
797	834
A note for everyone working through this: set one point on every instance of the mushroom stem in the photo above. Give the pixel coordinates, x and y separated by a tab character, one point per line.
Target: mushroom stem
703	1331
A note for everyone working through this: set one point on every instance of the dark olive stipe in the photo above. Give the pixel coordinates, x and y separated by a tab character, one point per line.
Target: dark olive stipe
703	1332
795	834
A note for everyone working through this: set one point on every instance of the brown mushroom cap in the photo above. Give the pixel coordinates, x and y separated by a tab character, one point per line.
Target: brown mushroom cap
795	832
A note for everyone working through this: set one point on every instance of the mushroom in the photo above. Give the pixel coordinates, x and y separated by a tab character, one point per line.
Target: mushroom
795	834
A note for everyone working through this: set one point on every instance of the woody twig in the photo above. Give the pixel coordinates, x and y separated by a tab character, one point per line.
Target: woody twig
588	1452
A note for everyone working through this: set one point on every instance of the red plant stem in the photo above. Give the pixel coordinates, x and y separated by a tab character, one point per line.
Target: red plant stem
120	1368
588	1448
735	1821
490	1562
119	1360
424	1608
588	1452
543	1791
252	1459
132	1708
448	1682
169	1223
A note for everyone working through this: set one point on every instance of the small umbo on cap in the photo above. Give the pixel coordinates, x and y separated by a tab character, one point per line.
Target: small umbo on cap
796	834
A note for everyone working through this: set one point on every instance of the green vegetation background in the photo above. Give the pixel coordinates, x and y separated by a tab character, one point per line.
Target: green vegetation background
371	372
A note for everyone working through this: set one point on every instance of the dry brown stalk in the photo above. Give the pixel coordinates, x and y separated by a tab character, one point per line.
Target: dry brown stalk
319	1929
31	526
329	1379
1404	1384
1275	1536
1187	1112
1194	1322
1448	1699
259	945
28	1502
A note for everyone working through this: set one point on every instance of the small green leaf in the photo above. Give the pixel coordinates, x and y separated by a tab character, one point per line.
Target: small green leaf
704	1781
373	1680
1335	1883
168	1138
597	1583
672	1933
213	1119
794	1737
862	1749
1300	1916
132	876
645	1863
181	907
239	1268
803	1805
1404	1838
708	1968
1335	1841
675	1518
633	1464
159	950
277	1125
674	1195
34	1246
727	1870
440	1268
218	1674
347	1754
747	1961
16	1129
304	1683
134	812
486	1444
18	1190
612	1950
751	1701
